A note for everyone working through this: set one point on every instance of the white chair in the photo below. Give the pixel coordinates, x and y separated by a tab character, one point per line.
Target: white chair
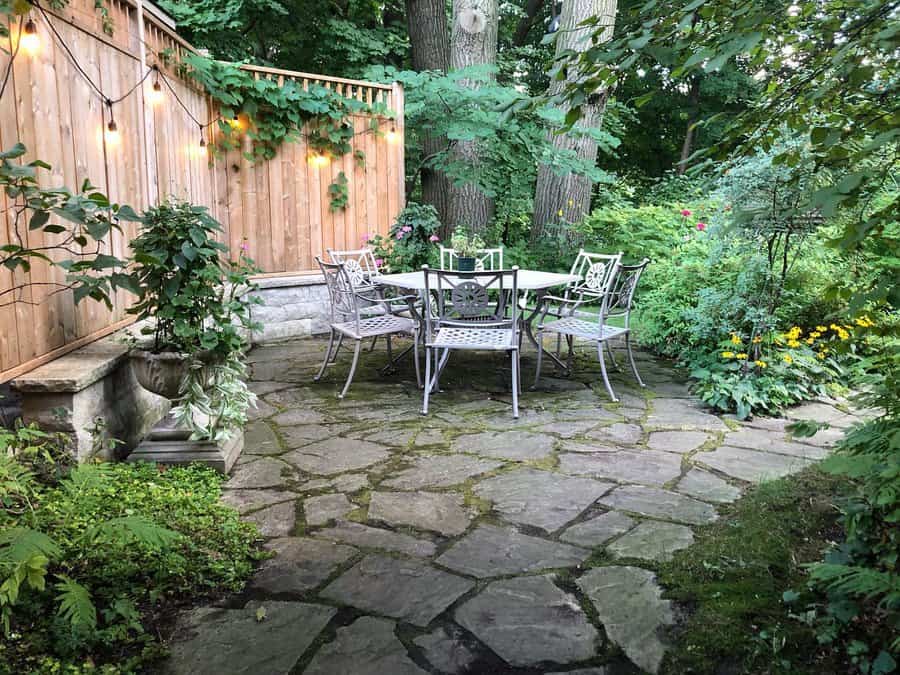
488	259
611	287
468	310
347	321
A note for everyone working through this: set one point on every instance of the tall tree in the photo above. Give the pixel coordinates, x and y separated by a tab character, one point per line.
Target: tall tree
567	197
429	44
473	41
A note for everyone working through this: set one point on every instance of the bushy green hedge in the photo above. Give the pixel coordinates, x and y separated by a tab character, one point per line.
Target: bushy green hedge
92	555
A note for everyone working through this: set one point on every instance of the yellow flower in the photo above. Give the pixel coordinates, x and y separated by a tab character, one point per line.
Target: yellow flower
757	340
761	364
727	355
815	334
735	339
559	213
571	203
864	322
821	355
810	340
793	343
842	334
741	356
794	333
788	358
821	329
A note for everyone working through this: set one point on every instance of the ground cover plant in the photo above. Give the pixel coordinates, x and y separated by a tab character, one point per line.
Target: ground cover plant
95	557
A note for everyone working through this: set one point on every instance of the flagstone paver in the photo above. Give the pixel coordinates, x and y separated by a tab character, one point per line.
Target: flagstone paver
529	620
407	589
630	606
516	445
434	511
491	551
540	498
410	520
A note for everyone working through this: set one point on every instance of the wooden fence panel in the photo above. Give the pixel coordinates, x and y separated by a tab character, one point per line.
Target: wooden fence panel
281	207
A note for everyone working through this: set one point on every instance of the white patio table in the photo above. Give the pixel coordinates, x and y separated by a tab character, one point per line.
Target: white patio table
535	281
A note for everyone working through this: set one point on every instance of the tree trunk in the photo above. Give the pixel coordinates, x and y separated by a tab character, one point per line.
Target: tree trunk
567	198
429	42
693	116
473	41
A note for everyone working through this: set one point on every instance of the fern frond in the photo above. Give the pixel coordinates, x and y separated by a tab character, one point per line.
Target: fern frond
18	544
131	530
860	582
75	604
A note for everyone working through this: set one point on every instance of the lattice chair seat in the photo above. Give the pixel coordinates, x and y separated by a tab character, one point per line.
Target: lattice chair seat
376	325
458	337
588	330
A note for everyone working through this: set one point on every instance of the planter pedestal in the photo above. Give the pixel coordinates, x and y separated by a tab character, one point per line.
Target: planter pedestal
167	444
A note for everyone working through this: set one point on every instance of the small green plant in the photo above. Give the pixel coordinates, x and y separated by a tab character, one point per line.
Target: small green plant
198	303
411	240
466	245
338	193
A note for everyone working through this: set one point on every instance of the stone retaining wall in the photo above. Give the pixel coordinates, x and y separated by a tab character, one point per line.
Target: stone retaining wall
292	306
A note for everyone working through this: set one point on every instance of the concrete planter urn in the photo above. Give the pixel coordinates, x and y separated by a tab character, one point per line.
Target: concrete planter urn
159	373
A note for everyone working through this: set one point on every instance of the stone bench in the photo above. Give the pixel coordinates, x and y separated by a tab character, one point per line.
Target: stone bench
71	392
292	306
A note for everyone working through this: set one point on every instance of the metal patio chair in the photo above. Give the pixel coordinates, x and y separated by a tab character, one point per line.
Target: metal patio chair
469	311
488	259
347	320
611	291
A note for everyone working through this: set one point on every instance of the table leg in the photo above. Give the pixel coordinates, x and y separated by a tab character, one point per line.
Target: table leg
529	328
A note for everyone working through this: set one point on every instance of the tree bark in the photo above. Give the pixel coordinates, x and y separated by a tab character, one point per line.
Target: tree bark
429	42
693	116
473	41
532	8
567	198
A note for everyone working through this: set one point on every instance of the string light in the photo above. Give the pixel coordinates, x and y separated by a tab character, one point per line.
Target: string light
202	148
319	159
156	93
392	136
112	129
29	40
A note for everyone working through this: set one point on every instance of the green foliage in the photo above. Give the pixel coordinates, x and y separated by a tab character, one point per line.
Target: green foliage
89	559
466	245
338	193
199	302
78	225
411	241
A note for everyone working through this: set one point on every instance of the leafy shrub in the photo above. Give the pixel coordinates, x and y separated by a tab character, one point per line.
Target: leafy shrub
89	559
411	240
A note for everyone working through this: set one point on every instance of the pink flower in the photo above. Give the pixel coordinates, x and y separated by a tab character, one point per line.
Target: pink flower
400	234
245	246
685	212
434	237
701	226
406	228
379	262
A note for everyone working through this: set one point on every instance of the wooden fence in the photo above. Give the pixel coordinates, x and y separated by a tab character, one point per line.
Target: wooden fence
281	207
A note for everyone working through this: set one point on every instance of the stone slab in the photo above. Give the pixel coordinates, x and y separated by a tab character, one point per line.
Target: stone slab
678	413
816	411
707	487
652	540
513	445
446	649
618	433
304	434
681	442
299	416
368	646
213	641
773	441
657	503
439	471
435	511
750	465
260	439
377	538
323	508
251	500
630	606
337	455
402	589
278	520
529	621
543	499
597	531
299	565
648	467
266	472
491	551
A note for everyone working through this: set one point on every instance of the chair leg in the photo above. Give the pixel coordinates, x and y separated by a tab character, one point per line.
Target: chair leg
427	387
612	358
609	388
631	360
352	369
338	347
416	360
515	383
540	356
374	342
327	357
570	359
388	340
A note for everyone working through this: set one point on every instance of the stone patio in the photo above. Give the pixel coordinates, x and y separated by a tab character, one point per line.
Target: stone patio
466	541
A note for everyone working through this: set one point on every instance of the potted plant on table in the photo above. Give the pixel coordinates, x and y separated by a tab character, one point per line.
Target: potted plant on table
197	306
467	249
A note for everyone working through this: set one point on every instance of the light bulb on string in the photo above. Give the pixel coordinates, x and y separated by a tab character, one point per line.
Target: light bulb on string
156	94
319	159
201	149
392	136
112	130
29	41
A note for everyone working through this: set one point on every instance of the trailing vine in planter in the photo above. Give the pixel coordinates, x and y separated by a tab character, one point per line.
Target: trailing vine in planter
279	113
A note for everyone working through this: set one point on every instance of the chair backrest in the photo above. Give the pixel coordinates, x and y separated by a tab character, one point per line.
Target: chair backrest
342	293
360	264
481	299
595	271
621	295
488	259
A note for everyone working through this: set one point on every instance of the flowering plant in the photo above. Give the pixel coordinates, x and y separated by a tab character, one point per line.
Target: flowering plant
466	246
410	242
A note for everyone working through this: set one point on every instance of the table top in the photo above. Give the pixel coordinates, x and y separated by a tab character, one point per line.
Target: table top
528	280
